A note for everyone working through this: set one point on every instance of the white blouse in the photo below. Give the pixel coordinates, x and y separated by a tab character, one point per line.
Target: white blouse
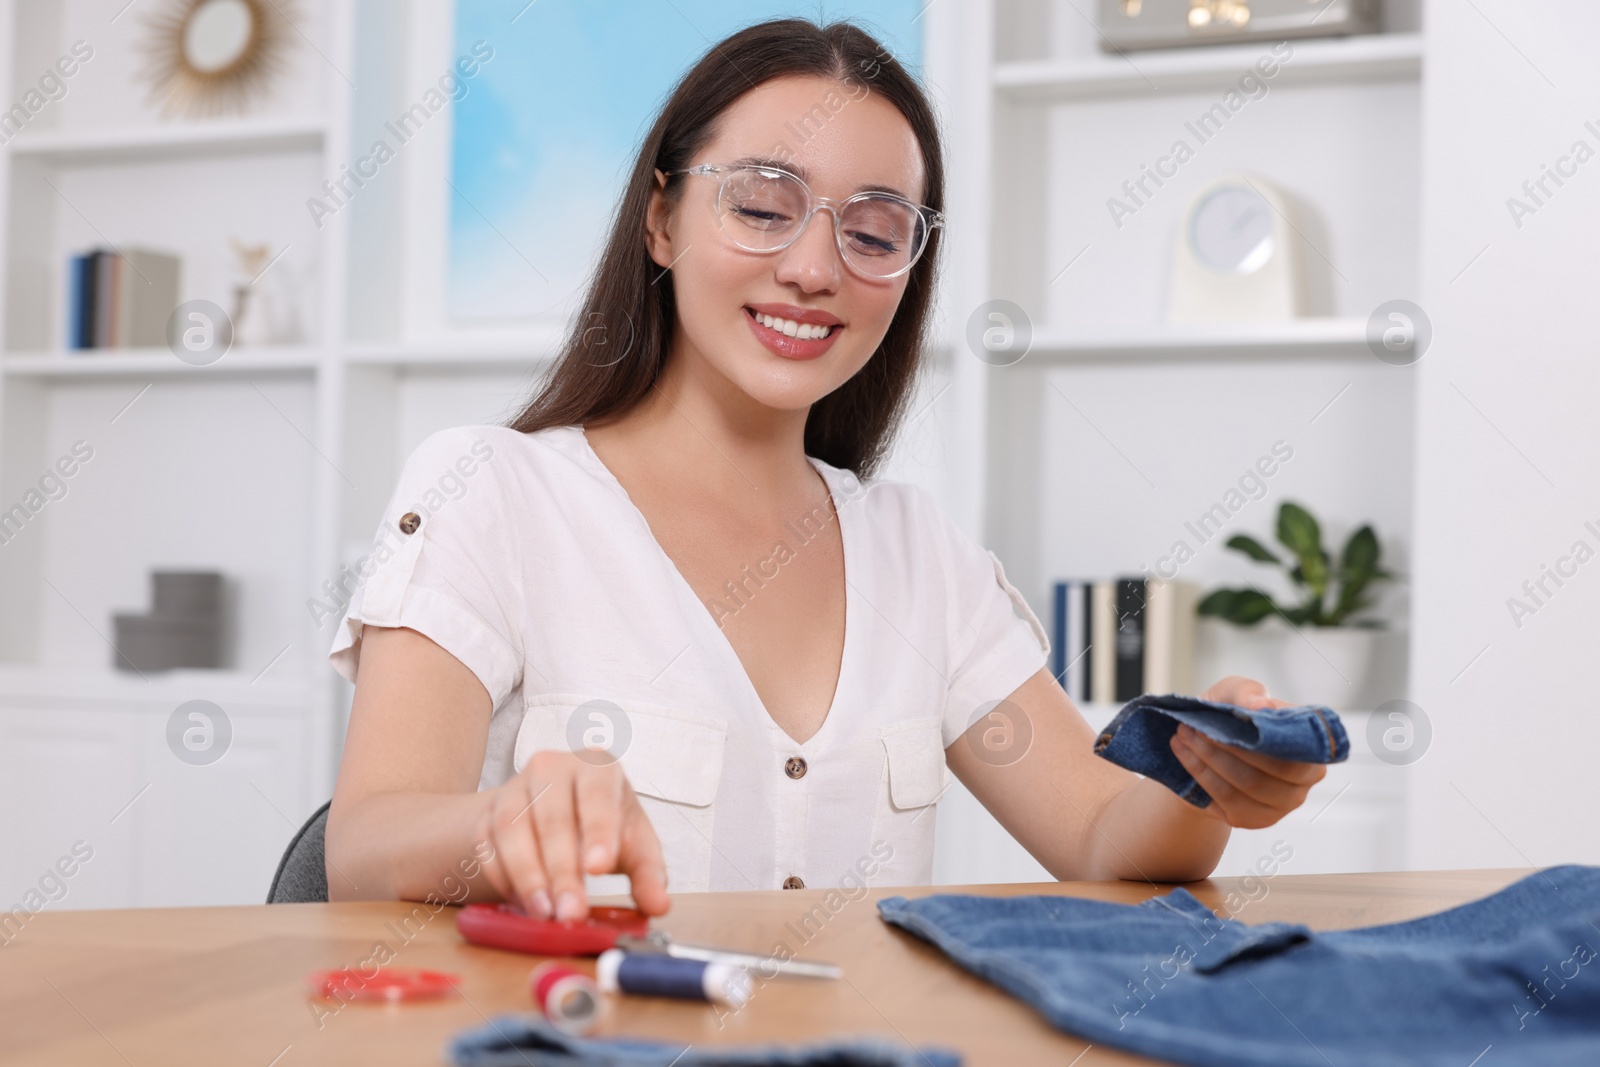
523	557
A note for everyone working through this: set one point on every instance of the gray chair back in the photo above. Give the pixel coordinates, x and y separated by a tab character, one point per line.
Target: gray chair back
302	876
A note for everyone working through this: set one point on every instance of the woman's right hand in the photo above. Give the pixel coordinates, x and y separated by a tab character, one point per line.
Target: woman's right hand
559	818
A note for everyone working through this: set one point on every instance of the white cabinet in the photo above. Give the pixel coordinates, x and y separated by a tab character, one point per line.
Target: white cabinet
66	777
215	833
90	776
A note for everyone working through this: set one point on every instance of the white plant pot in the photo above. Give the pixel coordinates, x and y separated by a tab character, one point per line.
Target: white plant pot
1328	665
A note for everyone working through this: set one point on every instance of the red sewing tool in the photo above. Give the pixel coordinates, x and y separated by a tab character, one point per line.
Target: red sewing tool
505	926
385	983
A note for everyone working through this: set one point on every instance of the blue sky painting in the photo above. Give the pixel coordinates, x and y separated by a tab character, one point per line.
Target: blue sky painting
543	141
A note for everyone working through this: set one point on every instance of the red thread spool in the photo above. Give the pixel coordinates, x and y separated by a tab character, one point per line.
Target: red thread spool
570	999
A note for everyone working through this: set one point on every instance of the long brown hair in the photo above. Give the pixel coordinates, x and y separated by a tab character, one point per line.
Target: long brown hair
618	344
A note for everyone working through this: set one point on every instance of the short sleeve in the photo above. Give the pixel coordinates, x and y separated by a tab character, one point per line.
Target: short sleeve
444	561
996	642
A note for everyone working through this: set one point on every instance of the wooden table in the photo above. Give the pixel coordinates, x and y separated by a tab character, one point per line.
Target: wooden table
227	985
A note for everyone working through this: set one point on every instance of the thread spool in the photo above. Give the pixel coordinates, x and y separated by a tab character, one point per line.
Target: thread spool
669	976
569	999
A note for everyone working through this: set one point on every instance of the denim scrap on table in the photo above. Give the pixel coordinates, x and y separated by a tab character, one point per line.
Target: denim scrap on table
1514	972
528	1040
1140	737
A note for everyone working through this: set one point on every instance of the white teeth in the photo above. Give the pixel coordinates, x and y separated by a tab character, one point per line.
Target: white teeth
798	330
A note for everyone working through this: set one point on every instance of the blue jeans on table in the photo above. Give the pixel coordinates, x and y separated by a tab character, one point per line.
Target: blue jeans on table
530	1041
1512	978
1140	737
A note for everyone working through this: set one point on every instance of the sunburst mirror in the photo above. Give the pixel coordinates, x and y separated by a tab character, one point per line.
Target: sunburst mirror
211	57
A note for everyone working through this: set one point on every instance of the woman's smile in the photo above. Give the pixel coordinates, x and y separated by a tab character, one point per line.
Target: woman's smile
793	332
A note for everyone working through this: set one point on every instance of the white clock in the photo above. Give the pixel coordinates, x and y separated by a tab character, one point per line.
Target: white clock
1238	256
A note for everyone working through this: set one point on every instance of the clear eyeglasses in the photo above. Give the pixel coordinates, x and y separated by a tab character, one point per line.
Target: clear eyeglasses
766	209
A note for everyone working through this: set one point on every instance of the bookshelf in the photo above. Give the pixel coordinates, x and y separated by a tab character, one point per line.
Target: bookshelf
283	456
1062	424
1064	462
247	481
277	459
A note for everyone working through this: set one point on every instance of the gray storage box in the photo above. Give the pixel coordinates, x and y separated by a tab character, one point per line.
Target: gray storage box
1126	25
186	593
185	628
154	643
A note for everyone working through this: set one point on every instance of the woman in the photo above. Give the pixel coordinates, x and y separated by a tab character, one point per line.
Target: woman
666	622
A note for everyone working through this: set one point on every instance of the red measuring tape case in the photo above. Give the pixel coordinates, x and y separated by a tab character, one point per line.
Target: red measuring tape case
509	927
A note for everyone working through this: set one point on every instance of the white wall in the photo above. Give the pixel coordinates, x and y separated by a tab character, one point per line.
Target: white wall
1507	441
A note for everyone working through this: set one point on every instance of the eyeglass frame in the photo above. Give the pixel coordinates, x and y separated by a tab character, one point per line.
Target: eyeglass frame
931	219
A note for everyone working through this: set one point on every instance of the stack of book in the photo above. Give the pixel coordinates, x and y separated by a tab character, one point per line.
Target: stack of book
120	300
1120	638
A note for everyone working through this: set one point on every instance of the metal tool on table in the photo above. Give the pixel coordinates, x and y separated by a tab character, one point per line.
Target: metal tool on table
658	943
509	927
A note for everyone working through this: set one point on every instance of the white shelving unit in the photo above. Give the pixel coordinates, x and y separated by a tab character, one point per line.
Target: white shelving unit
271	465
278	461
210	466
1064	462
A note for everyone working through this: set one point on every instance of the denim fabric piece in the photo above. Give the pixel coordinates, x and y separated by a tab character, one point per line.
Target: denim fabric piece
1140	737
1516	970
530	1041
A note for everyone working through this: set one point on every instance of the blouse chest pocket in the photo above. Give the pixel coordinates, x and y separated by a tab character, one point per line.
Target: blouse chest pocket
672	758
914	778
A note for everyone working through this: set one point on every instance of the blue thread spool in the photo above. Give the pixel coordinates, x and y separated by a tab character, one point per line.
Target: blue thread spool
669	976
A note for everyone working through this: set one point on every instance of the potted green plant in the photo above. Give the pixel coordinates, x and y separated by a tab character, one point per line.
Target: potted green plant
1329	655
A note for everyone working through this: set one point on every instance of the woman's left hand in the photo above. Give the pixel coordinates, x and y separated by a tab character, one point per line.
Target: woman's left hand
1248	790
